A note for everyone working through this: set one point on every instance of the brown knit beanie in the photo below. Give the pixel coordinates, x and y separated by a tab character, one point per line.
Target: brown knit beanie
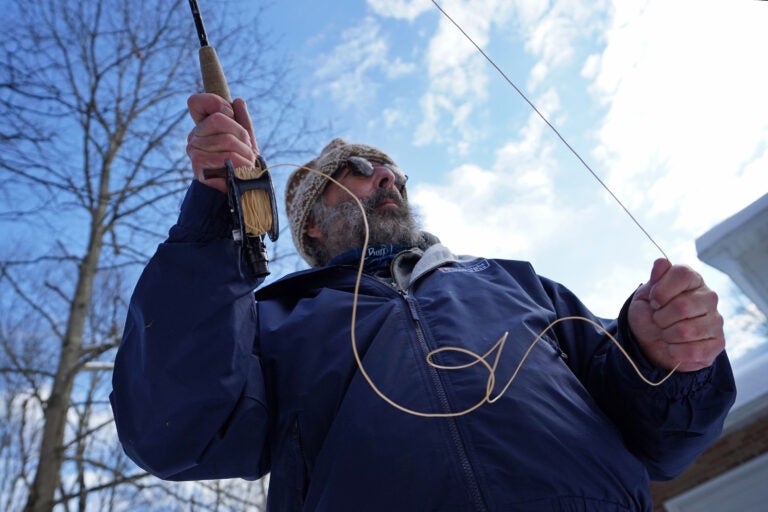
305	187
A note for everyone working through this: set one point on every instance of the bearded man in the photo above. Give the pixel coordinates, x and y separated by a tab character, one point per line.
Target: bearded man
214	381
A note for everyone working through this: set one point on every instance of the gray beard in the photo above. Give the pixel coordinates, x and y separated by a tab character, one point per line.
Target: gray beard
344	229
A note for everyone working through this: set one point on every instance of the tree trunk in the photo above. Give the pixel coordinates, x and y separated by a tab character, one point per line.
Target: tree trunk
48	474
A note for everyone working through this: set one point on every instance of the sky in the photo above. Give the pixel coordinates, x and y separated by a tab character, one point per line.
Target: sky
664	100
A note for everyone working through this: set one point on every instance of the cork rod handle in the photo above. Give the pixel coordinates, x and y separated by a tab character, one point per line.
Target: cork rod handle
214	80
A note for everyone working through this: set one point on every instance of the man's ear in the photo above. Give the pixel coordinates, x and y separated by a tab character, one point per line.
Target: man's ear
313	230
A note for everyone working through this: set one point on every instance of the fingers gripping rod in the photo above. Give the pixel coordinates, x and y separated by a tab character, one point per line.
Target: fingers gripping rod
215	82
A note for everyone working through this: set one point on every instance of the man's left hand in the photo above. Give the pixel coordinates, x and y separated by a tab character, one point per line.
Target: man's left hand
675	320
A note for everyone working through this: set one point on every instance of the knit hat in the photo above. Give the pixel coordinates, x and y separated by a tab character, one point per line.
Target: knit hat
305	187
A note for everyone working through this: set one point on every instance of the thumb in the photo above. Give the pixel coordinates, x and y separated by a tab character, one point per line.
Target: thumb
243	117
660	267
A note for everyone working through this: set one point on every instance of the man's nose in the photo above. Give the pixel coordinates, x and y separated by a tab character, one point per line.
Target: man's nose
383	177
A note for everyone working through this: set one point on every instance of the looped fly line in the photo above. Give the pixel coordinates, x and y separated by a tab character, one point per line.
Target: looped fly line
476	358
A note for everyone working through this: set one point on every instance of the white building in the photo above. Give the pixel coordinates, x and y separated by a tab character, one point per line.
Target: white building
733	473
738	246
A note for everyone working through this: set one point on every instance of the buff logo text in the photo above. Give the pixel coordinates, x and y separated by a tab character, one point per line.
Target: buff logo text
378	251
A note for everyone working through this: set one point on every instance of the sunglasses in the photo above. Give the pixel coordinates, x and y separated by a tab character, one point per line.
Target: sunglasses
359	166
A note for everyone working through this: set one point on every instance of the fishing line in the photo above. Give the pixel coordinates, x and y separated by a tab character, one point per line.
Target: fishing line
477	358
555	130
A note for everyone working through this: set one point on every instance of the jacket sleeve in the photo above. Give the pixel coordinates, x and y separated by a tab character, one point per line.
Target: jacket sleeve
666	426
188	393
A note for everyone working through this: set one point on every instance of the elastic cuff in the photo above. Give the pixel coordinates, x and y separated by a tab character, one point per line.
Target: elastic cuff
679	384
204	216
629	342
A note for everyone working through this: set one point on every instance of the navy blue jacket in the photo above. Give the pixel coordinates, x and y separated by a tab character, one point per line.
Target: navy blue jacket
210	383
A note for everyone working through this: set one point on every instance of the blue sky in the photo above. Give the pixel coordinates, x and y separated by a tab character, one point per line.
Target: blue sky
666	100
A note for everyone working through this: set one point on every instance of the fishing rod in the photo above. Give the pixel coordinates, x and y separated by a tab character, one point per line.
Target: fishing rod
250	191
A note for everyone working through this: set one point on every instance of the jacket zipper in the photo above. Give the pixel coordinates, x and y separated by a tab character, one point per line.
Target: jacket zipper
466	466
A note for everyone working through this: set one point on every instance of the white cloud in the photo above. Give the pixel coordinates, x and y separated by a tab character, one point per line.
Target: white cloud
741	328
552	33
686	113
591	67
429	128
400	9
684	140
550	40
393	117
491	211
348	72
459	75
458	79
397	68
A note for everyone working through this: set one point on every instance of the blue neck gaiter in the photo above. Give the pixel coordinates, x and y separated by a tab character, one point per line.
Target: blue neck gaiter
377	258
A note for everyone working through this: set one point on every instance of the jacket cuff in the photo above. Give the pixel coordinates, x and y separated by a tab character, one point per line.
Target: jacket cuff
629	342
204	216
679	384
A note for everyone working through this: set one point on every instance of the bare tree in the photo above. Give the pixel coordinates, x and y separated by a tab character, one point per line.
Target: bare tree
93	98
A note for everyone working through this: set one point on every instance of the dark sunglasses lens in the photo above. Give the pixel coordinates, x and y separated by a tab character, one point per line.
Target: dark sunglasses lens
360	166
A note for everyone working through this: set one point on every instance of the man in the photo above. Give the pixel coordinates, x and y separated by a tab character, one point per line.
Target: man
210	383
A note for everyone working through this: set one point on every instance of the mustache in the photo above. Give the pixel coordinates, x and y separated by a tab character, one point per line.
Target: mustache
383	194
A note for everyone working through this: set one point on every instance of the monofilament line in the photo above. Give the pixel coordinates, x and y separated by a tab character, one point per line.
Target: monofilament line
555	130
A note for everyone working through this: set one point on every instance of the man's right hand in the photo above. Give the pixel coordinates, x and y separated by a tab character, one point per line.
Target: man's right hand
221	131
